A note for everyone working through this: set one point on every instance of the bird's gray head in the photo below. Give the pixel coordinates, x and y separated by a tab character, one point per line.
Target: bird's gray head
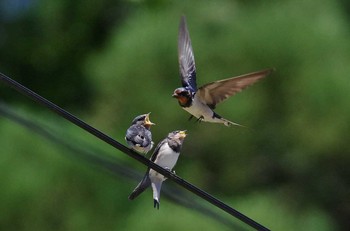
175	139
177	135
183	95
143	120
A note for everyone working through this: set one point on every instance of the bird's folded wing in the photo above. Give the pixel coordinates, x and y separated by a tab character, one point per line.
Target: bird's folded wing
142	186
132	132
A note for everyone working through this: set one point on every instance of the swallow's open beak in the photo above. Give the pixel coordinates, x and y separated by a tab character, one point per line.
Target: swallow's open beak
176	93
148	121
183	134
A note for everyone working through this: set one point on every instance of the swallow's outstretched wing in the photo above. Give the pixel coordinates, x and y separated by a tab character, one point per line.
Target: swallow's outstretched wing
216	92
186	58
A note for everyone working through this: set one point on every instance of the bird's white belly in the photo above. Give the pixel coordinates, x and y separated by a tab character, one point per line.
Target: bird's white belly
201	110
198	109
168	158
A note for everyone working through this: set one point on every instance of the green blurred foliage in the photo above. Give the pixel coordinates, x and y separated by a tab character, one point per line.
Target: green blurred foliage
113	60
47	42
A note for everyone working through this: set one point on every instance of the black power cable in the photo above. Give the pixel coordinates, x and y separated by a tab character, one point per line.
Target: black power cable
68	116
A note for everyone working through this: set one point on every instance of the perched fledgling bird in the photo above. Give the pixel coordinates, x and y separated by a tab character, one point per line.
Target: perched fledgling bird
201	102
138	136
165	155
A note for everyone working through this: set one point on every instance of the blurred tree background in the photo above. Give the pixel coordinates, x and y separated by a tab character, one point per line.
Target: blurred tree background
108	61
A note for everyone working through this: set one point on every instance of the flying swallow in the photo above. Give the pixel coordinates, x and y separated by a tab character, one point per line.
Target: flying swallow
138	136
200	102
165	155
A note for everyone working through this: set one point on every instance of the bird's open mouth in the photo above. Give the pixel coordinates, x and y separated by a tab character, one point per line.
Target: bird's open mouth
148	121
177	93
183	134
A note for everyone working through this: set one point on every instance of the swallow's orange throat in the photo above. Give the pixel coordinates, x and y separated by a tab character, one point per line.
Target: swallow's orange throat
183	96
183	100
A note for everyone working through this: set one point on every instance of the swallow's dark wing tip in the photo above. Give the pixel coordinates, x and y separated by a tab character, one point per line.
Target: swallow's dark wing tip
183	19
182	29
142	186
269	70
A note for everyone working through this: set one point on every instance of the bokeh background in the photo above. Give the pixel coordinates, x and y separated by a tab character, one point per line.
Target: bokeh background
107	61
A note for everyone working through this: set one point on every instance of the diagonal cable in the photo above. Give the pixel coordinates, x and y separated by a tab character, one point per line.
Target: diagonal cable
68	116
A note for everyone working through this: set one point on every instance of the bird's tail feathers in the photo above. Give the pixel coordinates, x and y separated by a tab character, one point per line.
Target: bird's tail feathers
156	203
142	186
230	123
220	119
156	186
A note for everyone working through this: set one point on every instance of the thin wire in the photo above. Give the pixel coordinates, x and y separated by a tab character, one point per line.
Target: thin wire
68	116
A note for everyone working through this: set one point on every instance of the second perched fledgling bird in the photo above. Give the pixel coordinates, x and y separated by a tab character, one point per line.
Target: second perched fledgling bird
200	102
165	155
138	136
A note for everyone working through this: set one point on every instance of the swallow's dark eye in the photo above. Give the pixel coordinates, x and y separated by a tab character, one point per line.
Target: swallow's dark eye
184	93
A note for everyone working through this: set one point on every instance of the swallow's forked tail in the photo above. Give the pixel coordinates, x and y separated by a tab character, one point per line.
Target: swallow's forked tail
156	186
230	123
227	123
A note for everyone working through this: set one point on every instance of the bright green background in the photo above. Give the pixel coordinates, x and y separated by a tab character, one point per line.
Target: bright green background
108	61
